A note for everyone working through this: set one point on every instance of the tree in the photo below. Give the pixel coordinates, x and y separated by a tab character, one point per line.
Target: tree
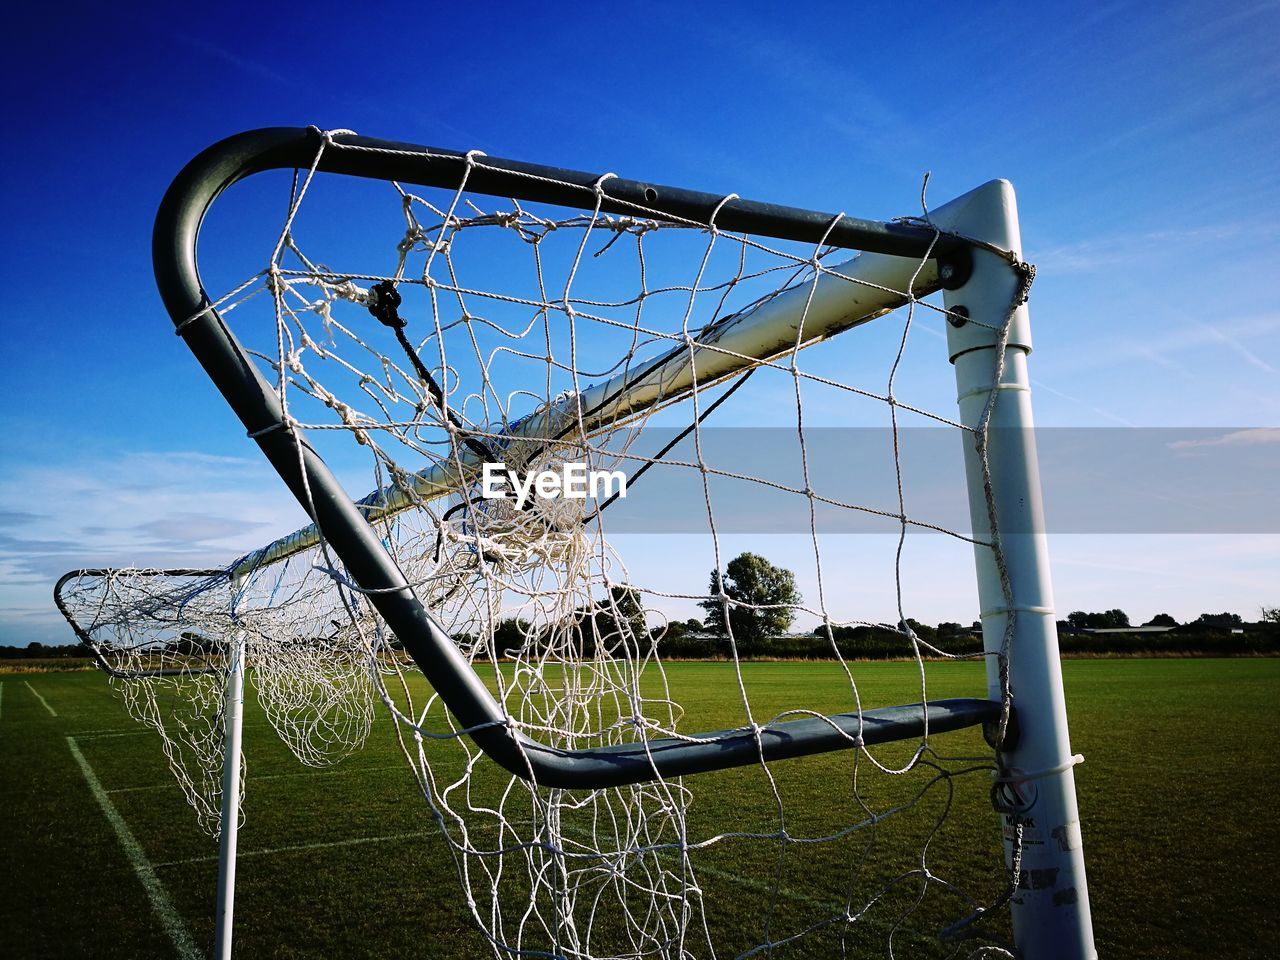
1116	618
751	582
1270	614
1111	619
1161	620
189	643
509	635
922	631
693	625
671	630
1227	620
607	623
621	616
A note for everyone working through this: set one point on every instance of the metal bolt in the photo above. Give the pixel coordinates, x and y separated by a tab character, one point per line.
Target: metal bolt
946	271
958	316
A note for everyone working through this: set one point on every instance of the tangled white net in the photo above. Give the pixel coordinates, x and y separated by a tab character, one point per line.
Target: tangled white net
168	639
512	334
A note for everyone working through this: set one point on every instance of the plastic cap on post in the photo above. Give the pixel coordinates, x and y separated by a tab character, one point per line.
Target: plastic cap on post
989	214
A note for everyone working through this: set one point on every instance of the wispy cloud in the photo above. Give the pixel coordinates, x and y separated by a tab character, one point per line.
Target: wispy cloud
1200	333
138	509
248	65
196	528
1236	438
1222	336
1185	348
151	504
879	127
1101	411
15	518
1124	250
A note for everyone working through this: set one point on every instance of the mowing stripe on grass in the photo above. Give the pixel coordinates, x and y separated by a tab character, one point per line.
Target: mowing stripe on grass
161	905
52	712
110	732
297	847
748	883
168	785
1	699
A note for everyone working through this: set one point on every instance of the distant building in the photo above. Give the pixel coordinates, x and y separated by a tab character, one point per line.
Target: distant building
1126	629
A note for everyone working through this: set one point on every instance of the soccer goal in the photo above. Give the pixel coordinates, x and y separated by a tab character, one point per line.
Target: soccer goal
449	330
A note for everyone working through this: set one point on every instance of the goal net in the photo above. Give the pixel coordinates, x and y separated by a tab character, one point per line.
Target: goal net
701	375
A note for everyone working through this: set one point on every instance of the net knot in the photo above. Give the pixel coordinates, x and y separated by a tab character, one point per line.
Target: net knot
711	220
598	186
286	423
384	302
349	290
275	282
411	236
1027	273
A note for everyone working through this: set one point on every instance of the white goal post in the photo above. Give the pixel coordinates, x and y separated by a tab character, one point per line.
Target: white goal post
386	583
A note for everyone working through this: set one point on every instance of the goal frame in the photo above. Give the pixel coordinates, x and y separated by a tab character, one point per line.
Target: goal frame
964	249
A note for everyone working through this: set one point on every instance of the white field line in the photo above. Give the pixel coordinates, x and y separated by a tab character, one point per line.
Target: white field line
293	848
110	732
756	886
161	905
270	776
759	886
52	712
136	731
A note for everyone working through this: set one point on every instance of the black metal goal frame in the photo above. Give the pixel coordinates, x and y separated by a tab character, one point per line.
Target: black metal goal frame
345	528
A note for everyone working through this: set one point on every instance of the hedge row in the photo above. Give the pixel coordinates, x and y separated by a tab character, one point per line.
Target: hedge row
871	644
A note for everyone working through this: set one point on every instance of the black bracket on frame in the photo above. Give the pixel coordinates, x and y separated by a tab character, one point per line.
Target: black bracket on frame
955	267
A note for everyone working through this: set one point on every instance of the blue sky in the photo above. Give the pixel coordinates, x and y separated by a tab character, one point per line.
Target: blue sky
1141	139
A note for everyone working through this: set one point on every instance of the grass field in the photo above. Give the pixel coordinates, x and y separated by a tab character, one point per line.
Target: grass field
102	857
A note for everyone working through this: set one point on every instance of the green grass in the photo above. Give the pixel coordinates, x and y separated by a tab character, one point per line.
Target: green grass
1175	796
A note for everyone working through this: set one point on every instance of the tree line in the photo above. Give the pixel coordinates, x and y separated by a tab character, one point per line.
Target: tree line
754	602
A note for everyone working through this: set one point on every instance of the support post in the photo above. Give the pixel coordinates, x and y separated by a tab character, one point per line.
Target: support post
224	918
1036	789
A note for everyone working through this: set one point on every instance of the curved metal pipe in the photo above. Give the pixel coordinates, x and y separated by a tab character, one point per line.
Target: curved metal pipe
346	530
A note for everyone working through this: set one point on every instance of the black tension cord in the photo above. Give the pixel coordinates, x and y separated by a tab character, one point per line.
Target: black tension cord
680	436
667	448
384	303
